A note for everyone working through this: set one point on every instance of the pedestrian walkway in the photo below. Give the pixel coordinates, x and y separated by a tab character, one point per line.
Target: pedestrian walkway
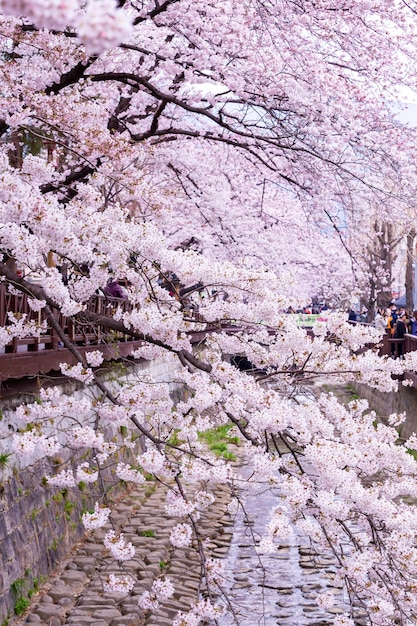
74	595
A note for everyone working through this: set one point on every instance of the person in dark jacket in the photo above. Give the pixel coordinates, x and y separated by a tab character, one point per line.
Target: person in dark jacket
414	323
399	333
352	316
114	290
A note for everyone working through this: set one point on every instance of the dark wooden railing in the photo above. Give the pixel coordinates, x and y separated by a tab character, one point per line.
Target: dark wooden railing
77	333
409	344
390	346
30	356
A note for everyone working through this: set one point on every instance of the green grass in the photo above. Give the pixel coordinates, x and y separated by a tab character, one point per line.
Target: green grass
68	508
21	605
18	585
218	440
54	545
4	459
352	393
413	453
174	440
24	589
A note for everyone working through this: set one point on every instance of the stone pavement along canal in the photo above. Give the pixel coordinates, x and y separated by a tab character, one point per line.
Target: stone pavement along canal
74	595
279	589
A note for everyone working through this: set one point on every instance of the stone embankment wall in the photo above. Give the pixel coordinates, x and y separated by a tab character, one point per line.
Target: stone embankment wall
385	404
40	524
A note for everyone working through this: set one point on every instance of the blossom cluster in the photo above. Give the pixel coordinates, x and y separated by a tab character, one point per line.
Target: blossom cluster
94	358
154	462
29	442
78	372
97	519
128	473
117	546
100	25
178	506
19	328
161	590
118	584
201	610
85	474
181	535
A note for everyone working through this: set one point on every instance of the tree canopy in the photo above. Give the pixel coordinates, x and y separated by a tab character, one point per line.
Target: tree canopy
226	157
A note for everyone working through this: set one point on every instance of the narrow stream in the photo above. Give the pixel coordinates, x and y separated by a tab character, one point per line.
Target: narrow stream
278	589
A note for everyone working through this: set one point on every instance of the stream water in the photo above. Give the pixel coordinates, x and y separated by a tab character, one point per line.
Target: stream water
277	589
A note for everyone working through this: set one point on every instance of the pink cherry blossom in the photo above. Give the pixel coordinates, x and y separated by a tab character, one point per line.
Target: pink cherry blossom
97	519
118	548
222	165
118	584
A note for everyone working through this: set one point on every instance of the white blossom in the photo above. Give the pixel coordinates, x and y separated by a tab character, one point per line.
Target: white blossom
97	519
118	584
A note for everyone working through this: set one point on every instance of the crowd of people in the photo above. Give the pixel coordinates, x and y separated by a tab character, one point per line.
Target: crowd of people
397	322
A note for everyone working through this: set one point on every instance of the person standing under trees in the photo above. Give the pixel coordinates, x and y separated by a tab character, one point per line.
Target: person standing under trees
399	333
113	289
380	320
408	318
392	320
352	318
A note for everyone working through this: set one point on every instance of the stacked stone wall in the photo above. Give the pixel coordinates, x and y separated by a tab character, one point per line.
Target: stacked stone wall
40	524
385	404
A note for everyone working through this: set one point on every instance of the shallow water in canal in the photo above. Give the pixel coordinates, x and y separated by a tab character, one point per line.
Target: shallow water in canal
277	589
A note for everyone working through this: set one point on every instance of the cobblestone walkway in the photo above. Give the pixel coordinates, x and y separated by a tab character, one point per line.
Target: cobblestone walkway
277	590
74	595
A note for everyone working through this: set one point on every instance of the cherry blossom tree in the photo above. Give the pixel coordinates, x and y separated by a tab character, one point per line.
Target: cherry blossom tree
221	147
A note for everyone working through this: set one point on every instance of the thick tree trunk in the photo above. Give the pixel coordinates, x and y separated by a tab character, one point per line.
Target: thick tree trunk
384	253
409	272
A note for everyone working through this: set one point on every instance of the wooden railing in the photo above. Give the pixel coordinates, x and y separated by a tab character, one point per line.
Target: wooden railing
390	346
77	333
29	356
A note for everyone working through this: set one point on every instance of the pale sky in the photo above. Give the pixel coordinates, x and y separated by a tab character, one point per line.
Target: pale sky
410	115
